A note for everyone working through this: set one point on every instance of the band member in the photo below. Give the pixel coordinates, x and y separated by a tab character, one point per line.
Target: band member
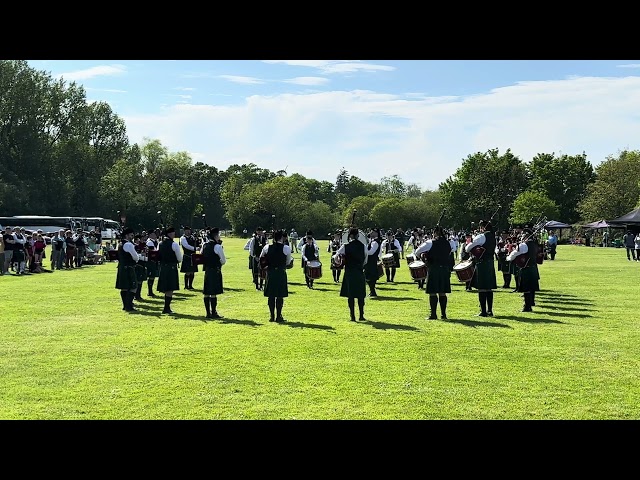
188	244
334	245
391	245
303	240
140	244
126	280
152	265
371	273
170	255
214	258
552	244
354	282
502	250
438	271
529	276
19	250
484	275
81	247
400	236
310	253
278	256
256	245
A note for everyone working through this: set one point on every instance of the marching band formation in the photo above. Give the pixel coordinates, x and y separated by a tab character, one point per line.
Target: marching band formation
364	258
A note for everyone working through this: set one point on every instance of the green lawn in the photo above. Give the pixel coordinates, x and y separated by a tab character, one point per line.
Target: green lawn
68	351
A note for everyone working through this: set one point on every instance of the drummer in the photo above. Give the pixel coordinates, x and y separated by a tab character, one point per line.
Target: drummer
466	256
438	262
334	244
390	255
310	253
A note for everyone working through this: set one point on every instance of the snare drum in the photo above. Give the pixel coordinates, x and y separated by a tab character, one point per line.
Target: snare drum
337	262
314	269
418	270
465	270
410	258
388	260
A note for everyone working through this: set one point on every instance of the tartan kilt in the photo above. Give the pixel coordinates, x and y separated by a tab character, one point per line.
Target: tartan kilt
18	256
168	280
212	281
353	283
503	265
152	269
126	278
371	271
276	284
438	279
187	265
513	268
484	277
528	280
141	271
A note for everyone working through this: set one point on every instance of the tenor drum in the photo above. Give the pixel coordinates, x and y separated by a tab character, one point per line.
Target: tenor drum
389	260
314	269
465	270
337	262
418	270
410	258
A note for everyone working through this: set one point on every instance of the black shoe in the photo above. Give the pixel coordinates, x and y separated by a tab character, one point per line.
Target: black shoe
216	315
280	320
527	309
443	317
432	317
272	319
168	311
362	319
151	294
489	314
138	299
353	319
482	314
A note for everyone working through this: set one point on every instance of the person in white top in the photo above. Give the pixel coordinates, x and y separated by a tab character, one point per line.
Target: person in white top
188	267
126	280
214	259
390	245
170	255
637	242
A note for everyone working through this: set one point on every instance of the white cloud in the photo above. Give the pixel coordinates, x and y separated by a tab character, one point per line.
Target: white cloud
185	89
629	65
99	71
422	140
243	80
311	81
334	66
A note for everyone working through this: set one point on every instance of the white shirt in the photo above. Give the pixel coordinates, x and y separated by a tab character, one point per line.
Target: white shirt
395	245
185	244
476	241
425	247
286	249
220	252
177	250
373	246
303	242
341	251
522	248
131	250
315	249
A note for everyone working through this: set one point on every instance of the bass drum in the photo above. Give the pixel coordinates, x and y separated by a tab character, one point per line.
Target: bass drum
361	236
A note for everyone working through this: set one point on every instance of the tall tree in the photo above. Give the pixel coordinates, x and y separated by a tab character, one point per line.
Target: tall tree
531	205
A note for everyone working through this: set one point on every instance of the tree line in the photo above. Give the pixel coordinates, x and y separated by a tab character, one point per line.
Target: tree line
62	155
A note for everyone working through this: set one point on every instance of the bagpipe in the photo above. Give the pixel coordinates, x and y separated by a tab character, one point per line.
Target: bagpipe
522	261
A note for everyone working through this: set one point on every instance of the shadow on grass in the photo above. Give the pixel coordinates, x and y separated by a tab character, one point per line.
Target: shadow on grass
556	307
391	299
475	323
304	325
529	319
387	326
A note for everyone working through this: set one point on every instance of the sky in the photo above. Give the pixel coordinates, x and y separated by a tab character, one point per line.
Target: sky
417	119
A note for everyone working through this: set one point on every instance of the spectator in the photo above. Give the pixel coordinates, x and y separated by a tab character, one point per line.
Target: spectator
1	255
552	244
629	242
637	242
58	250
605	239
70	249
293	238
38	251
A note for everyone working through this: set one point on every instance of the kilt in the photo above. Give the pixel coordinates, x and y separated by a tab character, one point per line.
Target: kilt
484	277
513	268
18	256
168	280
126	277
141	271
503	265
438	279
187	265
212	281
529	280
276	283
152	269
371	271
353	283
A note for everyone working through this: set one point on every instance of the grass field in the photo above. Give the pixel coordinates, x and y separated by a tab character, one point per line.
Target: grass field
68	351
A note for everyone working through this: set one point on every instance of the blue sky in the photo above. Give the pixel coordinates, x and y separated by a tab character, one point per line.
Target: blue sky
418	119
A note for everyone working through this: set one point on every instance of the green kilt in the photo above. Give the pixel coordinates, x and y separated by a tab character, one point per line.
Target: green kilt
503	265
168	280
187	265
353	283
438	279
141	271
371	271
529	280
152	269
126	277
212	281
484	277
276	283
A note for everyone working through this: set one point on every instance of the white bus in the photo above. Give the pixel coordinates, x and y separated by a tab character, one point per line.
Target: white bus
49	225
109	229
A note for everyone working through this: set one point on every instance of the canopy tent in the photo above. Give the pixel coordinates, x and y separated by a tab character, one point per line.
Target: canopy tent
596	225
629	219
554	225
